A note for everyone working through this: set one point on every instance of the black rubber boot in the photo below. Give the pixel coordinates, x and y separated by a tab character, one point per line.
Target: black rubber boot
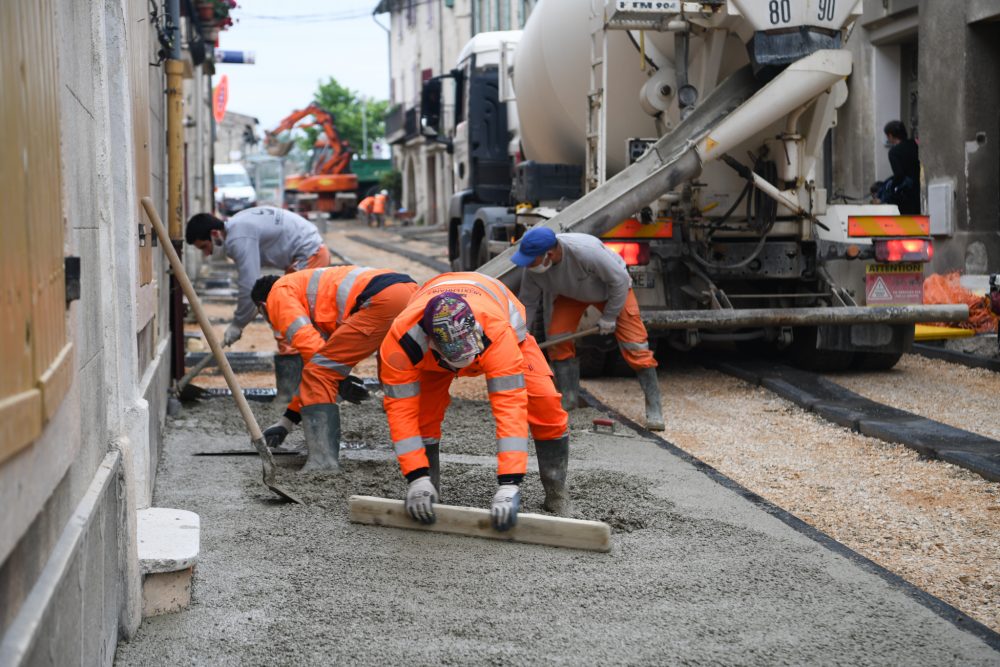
321	424
287	375
651	388
553	461
434	457
567	374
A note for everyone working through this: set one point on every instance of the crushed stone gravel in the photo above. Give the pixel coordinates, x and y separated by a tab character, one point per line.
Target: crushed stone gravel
933	523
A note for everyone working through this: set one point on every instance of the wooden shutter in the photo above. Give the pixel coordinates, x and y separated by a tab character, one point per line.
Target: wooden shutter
36	359
139	56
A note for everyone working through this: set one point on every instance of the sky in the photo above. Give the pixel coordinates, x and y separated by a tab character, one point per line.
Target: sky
297	43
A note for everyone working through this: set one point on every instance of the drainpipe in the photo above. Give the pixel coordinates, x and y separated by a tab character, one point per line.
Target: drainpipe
175	179
175	126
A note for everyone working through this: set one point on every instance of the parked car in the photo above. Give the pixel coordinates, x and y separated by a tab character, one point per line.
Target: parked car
233	190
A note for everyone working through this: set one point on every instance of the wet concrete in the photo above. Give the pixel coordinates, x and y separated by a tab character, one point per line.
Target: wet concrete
696	574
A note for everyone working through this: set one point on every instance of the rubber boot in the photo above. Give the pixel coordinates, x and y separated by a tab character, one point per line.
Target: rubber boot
434	457
567	374
553	461
321	423
287	375
651	388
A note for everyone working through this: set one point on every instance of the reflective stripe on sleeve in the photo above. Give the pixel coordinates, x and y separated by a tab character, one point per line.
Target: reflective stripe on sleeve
512	444
408	390
334	366
633	346
407	445
294	327
418	335
505	383
312	290
344	290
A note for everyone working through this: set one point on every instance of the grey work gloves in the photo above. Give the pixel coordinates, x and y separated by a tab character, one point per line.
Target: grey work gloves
606	327
506	502
276	433
233	334
420	498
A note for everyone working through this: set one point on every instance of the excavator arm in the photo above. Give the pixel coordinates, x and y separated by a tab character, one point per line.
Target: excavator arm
339	158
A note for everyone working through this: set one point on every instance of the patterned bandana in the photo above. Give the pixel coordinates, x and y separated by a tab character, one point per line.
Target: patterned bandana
452	327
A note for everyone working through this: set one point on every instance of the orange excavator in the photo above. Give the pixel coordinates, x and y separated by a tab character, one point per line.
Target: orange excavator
328	186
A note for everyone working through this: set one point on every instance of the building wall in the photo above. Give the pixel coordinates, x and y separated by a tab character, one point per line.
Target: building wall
425	40
69	576
957	46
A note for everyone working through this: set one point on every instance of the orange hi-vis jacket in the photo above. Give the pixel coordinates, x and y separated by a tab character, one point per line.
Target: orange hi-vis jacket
305	307
378	206
406	361
367	204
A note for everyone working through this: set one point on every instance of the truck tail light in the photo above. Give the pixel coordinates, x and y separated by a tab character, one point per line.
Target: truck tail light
634	254
903	250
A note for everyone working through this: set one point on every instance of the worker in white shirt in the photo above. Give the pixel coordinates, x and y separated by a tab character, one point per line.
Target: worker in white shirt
262	236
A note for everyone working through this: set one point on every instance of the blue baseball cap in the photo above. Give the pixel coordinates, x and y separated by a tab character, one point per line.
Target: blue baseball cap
535	243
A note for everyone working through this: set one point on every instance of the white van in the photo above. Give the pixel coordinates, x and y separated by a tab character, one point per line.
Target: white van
233	190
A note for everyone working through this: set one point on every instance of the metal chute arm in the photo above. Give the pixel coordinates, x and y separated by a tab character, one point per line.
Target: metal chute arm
735	111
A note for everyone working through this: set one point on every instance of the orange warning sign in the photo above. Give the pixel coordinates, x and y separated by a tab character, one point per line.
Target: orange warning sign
220	98
888	225
631	228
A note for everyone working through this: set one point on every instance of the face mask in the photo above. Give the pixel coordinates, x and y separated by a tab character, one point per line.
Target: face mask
461	364
543	267
218	249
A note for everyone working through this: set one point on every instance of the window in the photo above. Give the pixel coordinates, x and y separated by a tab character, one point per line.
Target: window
37	360
504	14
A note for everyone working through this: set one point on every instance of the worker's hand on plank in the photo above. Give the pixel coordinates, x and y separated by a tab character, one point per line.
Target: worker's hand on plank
606	327
353	390
233	334
276	433
506	502
420	499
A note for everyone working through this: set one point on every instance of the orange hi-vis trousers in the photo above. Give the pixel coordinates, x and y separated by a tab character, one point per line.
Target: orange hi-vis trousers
546	418
630	331
354	340
317	260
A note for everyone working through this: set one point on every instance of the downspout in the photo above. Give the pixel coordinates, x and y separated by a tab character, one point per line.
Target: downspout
175	125
175	179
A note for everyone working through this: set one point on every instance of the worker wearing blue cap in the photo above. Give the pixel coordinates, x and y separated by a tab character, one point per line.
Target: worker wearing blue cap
572	272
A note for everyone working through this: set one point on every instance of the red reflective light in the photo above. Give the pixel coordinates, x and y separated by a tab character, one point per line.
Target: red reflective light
634	254
903	250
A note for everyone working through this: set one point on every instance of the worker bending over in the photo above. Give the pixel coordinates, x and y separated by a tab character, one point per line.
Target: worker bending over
262	236
571	272
334	317
365	209
468	324
377	213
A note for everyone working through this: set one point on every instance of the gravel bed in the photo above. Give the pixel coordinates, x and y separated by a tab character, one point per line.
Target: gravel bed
935	524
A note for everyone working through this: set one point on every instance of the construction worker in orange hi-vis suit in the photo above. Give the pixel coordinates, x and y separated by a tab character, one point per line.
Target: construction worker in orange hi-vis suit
572	272
468	324
365	207
378	207
334	317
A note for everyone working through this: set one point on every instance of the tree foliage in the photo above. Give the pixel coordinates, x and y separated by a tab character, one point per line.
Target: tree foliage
346	106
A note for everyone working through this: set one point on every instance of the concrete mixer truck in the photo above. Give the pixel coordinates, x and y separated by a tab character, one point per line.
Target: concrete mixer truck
690	137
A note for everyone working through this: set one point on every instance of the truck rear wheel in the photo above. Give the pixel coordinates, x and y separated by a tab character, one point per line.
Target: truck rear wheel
804	354
876	361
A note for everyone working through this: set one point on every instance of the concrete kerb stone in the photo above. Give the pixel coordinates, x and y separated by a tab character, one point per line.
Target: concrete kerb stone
169	544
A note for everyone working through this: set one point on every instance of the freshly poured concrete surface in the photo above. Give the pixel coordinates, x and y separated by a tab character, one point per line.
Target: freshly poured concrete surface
696	573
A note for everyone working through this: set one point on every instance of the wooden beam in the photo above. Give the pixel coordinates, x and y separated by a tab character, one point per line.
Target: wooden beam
550	531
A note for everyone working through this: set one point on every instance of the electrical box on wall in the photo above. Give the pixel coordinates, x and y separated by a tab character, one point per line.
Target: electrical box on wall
941	208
